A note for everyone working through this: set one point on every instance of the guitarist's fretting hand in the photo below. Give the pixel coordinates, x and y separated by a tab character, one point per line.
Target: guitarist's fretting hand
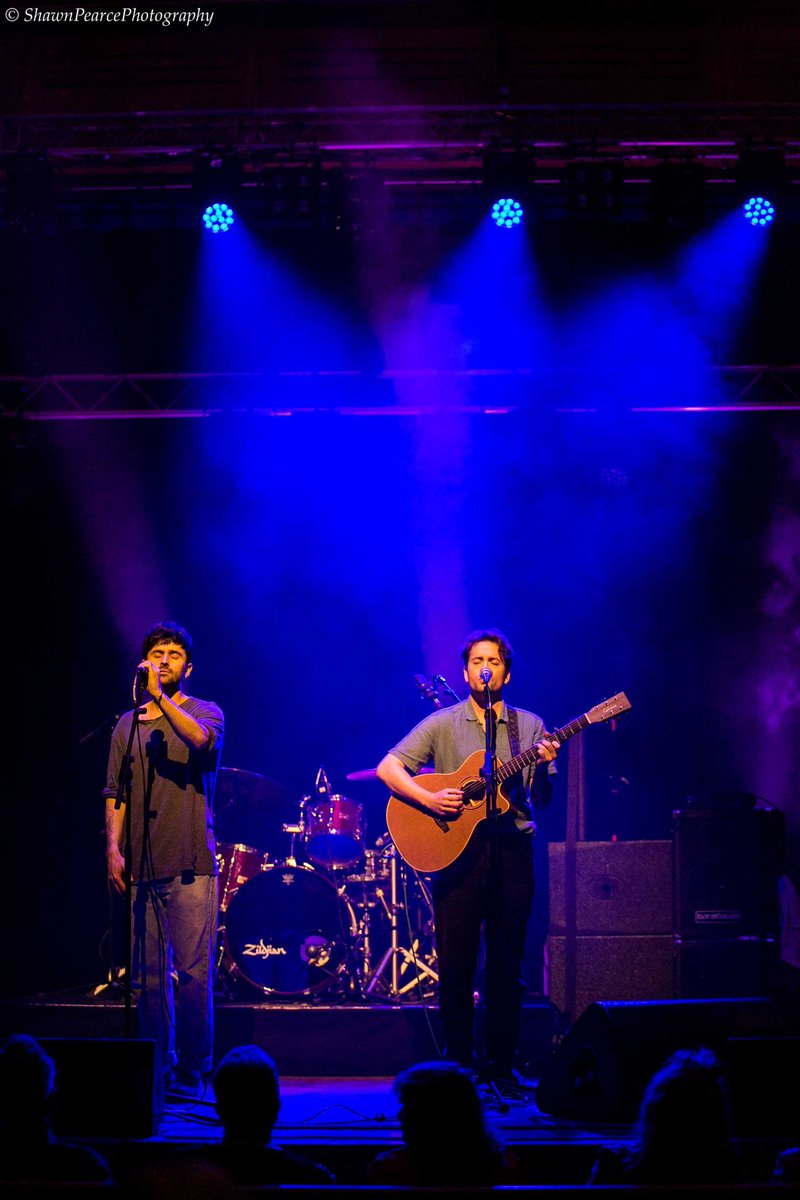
547	749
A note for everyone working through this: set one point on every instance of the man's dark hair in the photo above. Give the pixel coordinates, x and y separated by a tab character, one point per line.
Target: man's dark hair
488	635
167	631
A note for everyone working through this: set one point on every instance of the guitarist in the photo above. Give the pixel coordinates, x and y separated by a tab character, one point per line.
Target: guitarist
481	890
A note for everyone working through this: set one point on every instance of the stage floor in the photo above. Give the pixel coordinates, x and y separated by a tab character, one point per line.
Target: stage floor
337	1064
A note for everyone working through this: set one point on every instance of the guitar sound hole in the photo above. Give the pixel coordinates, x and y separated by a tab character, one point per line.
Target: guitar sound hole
474	791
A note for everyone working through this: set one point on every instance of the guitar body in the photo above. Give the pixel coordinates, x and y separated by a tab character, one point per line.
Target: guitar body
429	843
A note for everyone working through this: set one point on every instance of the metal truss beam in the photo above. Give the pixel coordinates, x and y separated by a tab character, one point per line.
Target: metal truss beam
745	388
446	129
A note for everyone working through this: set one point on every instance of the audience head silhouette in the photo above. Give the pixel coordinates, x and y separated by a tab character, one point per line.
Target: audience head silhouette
684	1131
247	1094
29	1149
447	1138
27	1083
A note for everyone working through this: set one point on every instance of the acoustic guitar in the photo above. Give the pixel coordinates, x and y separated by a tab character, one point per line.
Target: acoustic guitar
429	843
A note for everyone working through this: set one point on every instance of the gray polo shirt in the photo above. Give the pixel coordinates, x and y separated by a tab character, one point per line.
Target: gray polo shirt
449	735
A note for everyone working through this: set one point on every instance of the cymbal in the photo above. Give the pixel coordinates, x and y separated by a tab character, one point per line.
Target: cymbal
235	787
372	773
251	808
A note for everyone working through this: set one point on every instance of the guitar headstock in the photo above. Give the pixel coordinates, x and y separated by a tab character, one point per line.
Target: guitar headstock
609	708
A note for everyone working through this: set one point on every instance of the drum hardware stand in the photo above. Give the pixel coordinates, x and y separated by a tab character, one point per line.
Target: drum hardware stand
396	952
295	830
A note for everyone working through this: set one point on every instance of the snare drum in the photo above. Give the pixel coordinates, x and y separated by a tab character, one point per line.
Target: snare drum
334	832
236	864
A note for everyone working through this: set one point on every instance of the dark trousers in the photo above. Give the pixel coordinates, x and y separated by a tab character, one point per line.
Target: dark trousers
469	898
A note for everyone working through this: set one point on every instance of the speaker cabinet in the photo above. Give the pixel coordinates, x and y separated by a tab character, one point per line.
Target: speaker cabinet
725	967
106	1086
627	967
726	870
601	1068
611	887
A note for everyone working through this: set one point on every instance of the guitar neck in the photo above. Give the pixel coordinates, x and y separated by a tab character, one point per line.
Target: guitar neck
506	770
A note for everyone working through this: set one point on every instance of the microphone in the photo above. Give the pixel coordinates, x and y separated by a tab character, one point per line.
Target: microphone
322	783
428	690
486	675
142	676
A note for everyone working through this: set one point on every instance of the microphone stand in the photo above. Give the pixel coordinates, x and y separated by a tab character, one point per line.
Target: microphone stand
490	780
124	796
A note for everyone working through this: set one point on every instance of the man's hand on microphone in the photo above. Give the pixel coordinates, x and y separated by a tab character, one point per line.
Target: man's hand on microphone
153	678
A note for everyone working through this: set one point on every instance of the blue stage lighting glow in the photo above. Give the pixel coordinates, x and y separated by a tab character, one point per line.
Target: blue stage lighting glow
507	213
218	218
758	211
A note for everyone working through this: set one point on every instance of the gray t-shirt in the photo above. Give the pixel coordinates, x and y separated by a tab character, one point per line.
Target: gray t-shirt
180	783
446	737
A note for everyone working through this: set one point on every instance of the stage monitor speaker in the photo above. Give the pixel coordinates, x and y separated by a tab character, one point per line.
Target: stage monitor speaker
726	872
629	967
601	1068
619	887
105	1086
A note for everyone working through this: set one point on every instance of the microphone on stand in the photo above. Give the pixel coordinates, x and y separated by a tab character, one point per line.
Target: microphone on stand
486	675
322	784
142	676
440	679
428	690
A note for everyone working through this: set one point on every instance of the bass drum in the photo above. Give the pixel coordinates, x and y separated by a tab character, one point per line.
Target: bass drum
288	932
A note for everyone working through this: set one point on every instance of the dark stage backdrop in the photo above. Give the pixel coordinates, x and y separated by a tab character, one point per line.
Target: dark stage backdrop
320	561
302	583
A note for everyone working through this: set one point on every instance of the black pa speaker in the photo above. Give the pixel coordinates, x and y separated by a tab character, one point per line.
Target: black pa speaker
601	1068
726	872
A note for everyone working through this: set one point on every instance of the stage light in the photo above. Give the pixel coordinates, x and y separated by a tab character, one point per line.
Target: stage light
758	211
507	213
216	184
507	176
761	183
218	218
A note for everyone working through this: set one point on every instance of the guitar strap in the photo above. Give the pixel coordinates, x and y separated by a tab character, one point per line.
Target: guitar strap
512	719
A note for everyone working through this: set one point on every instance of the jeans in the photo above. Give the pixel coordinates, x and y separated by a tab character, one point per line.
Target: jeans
174	939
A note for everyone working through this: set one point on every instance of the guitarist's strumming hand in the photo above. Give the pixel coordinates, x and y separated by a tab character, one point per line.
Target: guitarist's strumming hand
449	802
446	802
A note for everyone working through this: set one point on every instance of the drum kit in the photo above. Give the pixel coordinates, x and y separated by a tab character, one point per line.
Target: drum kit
330	918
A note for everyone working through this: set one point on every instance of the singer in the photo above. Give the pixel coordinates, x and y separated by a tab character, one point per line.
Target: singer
175	760
481	891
